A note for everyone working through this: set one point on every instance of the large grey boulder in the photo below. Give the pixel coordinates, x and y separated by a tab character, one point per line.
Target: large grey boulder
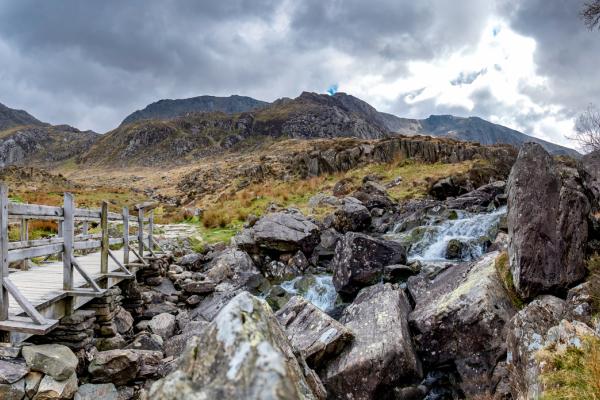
382	353
55	360
280	231
589	169
313	333
359	260
527	332
51	388
242	354
233	266
460	317
351	217
176	344
114	366
547	224
163	325
12	391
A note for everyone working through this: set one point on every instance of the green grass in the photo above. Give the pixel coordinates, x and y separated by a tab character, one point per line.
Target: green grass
503	270
593	266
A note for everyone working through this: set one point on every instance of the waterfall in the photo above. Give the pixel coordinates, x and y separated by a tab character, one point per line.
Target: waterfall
321	292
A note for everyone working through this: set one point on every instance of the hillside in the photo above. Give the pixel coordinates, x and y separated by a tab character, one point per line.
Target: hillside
167	109
9	118
473	129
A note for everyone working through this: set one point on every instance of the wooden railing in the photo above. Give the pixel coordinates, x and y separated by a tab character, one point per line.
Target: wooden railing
66	244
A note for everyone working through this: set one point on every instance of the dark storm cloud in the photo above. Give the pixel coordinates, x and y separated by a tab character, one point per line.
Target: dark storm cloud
92	63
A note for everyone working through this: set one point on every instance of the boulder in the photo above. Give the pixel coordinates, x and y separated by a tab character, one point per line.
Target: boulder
123	321
526	335
32	383
146	341
175	345
547	224
329	239
101	391
351	217
163	325
359	260
280	231
454	249
52	389
444	188
277	271
382	354
579	304
234	266
460	317
589	169
243	353
55	360
317	336
114	366
480	198
202	287
10	372
12	391
210	306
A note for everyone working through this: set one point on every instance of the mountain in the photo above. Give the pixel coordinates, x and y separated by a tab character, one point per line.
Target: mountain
473	129
10	118
167	109
24	140
196	135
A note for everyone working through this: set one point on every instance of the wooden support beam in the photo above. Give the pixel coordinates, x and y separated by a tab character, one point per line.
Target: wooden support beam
141	232
24	303
119	264
67	231
104	248
85	276
125	235
150	230
24	237
139	256
3	250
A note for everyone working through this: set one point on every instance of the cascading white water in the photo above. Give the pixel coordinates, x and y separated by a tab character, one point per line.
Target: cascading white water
322	293
468	228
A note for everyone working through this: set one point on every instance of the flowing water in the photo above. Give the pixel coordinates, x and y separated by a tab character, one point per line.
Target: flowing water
428	243
321	292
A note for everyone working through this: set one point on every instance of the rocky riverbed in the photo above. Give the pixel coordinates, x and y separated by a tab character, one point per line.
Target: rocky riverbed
449	297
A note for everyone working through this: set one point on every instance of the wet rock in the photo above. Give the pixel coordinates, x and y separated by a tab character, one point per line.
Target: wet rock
233	266
313	333
10	372
163	325
51	388
114	366
399	273
285	232
12	391
351	217
278	297
359	260
454	249
102	391
299	262
461	317
547	224
526	335
242	354
55	360
382	353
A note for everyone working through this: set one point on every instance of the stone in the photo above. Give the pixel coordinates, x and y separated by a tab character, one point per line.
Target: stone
329	239
317	336
444	188
277	297
243	353
12	391
342	187
163	325
277	271
568	334
547	224
399	273
52	389
279	231
210	306
299	262
149	363
32	383
123	321
526	335
233	266
55	360
460	317
589	169
579	303
200	287
146	341
110	343
153	310
359	260
382	353
10	372
480	198
101	391
114	366
166	287
351	217
175	345
454	249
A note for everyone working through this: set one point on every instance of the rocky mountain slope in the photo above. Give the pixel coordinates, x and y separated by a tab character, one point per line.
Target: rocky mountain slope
471	129
166	109
24	140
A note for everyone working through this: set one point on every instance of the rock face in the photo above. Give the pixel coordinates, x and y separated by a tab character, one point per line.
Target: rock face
55	360
460	317
351	217
51	388
114	366
382	353
285	232
243	353
526	335
547	224
359	260
589	170
233	266
313	333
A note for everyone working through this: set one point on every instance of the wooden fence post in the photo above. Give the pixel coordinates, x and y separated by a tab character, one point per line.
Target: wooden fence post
125	236
68	227
104	248
141	231
24	236
3	250
150	230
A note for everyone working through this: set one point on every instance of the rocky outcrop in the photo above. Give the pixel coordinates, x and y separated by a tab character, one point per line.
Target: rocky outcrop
243	353
382	354
526	335
352	216
460	317
317	336
359	260
283	232
55	360
233	266
589	169
547	224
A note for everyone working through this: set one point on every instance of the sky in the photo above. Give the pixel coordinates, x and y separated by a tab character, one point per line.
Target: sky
528	64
